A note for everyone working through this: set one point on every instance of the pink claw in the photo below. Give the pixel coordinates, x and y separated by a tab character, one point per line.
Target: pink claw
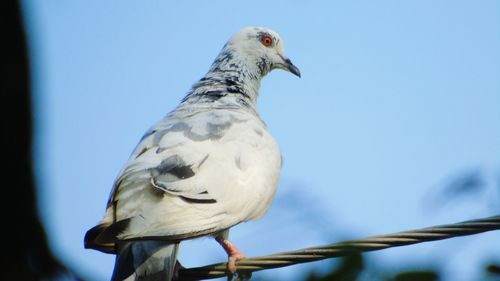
233	253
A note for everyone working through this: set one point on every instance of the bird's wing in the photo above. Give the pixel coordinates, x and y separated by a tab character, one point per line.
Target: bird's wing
172	187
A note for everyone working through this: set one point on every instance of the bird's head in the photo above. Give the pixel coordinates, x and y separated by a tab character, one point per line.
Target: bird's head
261	48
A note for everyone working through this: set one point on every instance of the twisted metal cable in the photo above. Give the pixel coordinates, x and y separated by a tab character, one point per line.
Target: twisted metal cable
345	248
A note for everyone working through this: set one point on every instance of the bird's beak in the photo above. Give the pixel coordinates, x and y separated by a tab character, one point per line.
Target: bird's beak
289	66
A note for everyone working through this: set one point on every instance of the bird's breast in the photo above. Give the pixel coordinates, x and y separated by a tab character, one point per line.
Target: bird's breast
245	164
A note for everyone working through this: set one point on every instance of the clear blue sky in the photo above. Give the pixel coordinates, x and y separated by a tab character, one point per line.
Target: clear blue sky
395	98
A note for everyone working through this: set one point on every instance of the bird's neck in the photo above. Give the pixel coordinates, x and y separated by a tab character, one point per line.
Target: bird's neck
231	79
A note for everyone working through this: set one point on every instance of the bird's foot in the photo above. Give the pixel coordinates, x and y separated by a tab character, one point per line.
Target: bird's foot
233	253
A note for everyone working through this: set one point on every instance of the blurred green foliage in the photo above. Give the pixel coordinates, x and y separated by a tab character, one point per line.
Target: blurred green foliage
354	268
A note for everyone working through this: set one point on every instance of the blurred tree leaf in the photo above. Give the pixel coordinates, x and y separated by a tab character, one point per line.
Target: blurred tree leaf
493	269
465	183
348	269
426	275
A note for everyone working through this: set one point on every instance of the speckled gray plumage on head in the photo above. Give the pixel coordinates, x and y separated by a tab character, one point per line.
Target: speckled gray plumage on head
207	166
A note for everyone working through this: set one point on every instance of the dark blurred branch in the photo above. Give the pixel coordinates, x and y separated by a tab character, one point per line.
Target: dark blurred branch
27	255
346	248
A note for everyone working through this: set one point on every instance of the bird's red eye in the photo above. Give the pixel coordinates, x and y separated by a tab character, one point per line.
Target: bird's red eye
266	41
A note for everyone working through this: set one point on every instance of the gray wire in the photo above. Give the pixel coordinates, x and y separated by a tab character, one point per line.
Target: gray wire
344	248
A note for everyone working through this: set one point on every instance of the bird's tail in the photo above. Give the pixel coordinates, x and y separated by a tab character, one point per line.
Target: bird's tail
145	261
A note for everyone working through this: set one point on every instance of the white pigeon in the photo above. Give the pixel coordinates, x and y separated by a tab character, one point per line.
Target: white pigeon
207	166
